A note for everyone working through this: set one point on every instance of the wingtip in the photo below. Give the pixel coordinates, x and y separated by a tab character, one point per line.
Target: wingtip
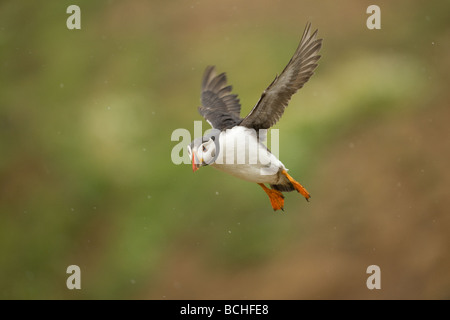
210	68
307	27
306	33
208	74
208	71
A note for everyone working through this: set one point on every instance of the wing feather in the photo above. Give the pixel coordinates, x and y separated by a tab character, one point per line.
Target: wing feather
219	107
274	100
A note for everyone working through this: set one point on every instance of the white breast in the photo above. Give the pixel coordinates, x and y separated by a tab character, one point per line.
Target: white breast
242	155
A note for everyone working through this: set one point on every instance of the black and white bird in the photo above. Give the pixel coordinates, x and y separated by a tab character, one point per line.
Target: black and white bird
235	144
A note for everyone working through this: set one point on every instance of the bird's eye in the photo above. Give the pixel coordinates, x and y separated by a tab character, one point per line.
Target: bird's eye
203	148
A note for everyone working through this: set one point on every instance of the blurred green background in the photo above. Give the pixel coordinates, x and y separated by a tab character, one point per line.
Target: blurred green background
86	177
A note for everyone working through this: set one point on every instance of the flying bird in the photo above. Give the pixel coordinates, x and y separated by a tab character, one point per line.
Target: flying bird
234	144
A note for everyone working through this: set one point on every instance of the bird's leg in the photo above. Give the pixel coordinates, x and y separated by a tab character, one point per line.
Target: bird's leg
275	196
297	185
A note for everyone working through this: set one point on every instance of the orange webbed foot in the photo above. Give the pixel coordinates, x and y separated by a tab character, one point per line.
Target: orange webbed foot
300	189
276	198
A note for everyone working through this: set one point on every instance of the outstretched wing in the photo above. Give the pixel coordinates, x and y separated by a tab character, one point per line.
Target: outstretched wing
270	107
219	107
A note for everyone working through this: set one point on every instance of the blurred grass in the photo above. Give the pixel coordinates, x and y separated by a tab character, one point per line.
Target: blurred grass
86	118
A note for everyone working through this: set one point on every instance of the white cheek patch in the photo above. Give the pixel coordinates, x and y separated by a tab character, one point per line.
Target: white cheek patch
208	156
209	149
200	153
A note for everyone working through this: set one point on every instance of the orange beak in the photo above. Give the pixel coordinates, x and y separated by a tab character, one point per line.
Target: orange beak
194	165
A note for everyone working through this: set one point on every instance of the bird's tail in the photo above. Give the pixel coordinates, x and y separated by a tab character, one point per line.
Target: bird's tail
284	187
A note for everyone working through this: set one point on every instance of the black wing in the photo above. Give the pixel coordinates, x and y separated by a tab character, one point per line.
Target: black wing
270	107
219	107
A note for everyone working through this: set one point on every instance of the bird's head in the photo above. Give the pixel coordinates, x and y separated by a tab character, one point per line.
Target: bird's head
203	151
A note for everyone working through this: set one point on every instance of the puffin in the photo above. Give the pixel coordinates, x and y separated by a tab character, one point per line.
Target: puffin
235	145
